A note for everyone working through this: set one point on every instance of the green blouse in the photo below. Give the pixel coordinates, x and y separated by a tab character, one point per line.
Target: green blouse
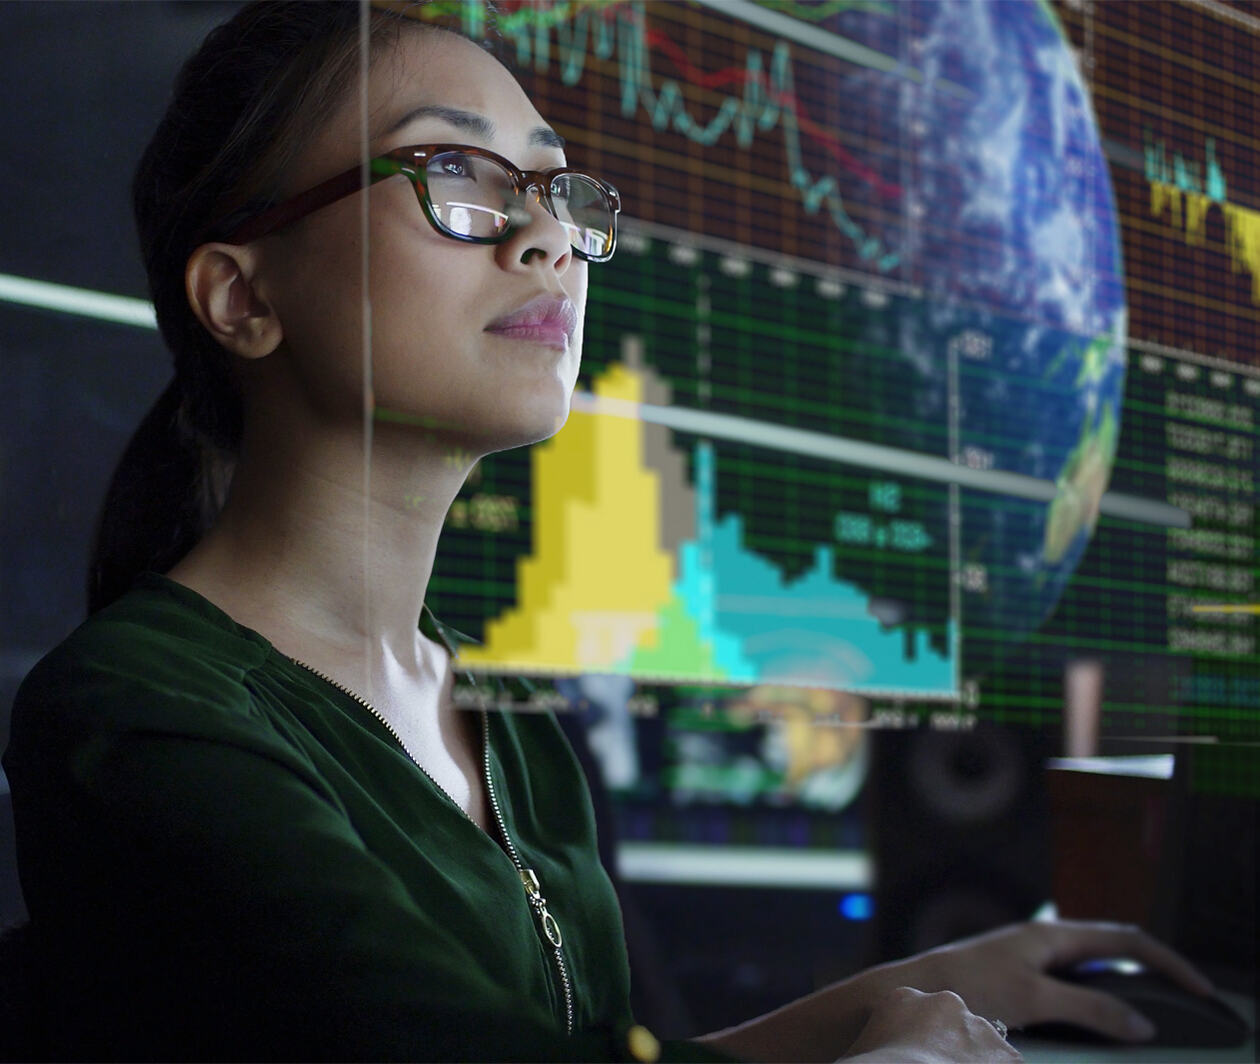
225	856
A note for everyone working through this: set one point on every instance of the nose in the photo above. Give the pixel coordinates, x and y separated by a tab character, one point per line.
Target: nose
537	235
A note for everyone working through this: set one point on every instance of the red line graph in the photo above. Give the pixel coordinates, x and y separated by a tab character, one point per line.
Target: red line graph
738	76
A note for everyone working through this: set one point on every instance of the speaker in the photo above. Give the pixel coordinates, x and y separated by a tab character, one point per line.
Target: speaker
960	833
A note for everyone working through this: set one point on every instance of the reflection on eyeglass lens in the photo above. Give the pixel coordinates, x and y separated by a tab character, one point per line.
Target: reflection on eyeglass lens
474	197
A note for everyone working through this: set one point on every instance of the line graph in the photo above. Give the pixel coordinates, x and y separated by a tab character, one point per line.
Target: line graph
763	97
807	125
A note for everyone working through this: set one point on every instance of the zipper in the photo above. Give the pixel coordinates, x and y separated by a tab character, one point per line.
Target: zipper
529	879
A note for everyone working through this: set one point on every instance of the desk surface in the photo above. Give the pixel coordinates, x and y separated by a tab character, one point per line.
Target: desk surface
1036	1051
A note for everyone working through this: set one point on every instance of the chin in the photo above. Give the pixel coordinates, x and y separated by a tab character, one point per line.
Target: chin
542	421
543	429
542	405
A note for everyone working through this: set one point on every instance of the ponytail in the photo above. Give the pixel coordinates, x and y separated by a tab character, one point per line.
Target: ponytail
166	492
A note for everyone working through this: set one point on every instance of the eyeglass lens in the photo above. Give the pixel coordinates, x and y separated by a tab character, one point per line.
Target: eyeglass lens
473	196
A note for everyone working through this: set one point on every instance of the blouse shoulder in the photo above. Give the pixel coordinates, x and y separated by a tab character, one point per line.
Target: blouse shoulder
160	656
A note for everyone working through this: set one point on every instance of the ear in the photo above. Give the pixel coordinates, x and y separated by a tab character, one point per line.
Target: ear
220	282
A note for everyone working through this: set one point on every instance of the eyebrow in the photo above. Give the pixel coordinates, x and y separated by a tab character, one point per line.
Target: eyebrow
478	125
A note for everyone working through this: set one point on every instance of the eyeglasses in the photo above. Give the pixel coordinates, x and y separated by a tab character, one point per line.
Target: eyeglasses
468	194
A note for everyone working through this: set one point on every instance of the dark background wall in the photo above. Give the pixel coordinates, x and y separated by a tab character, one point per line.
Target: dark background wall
82	85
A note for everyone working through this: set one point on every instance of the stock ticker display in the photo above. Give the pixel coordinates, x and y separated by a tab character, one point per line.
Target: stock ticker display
926	366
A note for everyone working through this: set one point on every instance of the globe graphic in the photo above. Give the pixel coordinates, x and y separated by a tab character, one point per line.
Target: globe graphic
1010	233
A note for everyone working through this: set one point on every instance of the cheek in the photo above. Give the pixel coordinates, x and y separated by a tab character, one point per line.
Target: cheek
426	301
319	300
316	271
577	292
418	281
575	355
578	284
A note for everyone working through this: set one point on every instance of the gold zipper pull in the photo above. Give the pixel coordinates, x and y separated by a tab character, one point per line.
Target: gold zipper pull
530	882
550	928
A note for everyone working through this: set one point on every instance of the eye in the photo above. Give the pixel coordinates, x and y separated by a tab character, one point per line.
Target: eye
453	165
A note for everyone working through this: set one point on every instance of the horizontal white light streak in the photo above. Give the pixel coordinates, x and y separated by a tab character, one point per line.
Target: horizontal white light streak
126	310
651	862
818	39
870	456
122	310
1149	766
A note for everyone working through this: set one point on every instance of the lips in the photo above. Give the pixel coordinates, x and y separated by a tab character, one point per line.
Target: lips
546	320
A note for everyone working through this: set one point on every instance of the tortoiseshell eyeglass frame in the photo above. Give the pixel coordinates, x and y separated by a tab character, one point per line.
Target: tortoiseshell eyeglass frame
413	161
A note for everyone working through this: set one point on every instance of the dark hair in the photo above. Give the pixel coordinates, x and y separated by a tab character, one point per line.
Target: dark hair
243	105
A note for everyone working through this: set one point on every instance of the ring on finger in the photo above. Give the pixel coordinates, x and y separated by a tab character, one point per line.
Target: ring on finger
1000	1027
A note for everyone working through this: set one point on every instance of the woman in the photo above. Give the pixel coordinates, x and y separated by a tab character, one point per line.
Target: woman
251	822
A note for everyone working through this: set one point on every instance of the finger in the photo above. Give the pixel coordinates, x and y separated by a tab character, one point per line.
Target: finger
990	1042
1085	940
1099	1012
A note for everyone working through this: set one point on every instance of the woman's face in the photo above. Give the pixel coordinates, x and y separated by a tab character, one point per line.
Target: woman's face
445	351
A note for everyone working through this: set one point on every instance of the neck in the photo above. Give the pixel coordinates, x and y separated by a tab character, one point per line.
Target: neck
327	540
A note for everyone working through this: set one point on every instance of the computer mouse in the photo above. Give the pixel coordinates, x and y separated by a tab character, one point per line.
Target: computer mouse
1181	1017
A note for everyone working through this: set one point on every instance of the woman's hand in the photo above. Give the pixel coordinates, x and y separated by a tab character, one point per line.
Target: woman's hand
1002	974
912	1027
